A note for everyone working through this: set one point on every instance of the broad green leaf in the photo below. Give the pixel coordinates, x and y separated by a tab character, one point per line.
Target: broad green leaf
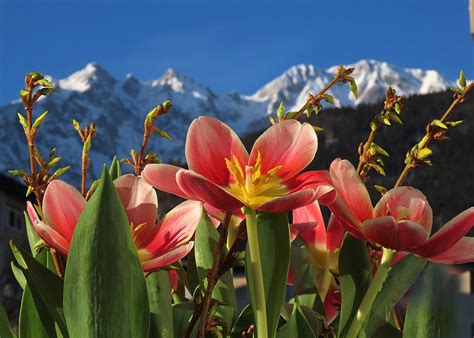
354	276
46	287
159	298
243	322
105	291
182	313
400	278
205	241
297	325
5	329
115	170
30	325
432	308
274	242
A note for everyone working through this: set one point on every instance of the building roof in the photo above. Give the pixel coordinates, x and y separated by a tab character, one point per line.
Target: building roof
12	187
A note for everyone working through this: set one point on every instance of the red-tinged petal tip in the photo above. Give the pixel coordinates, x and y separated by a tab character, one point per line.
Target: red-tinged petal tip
335	234
200	188
52	237
351	190
167	258
208	143
176	228
163	177
62	206
448	235
460	253
289	202
289	144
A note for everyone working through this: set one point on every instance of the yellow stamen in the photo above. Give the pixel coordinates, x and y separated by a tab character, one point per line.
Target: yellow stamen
254	187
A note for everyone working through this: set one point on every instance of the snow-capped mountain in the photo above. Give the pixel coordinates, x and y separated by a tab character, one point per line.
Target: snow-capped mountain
118	108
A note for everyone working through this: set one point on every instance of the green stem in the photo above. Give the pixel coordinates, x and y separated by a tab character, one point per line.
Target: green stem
374	288
256	266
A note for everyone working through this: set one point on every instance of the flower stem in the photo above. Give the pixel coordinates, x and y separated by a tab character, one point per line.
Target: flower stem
256	266
374	288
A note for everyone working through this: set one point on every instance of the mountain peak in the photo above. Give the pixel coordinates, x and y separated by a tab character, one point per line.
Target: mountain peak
92	74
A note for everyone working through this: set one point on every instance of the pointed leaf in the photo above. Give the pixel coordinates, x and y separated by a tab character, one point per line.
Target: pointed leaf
105	291
115	170
5	329
399	280
297	325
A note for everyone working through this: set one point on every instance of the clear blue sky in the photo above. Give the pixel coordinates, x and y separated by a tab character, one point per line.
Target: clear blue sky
234	46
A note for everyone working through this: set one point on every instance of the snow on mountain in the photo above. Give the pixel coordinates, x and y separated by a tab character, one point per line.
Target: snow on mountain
118	108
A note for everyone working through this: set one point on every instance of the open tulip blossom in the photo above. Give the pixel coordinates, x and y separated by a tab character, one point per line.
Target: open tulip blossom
401	220
102	263
158	243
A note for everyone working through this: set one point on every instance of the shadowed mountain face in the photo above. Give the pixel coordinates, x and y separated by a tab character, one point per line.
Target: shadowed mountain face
118	108
448	184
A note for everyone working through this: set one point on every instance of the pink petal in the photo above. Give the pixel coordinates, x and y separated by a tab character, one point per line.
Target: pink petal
289	144
341	212
397	199
297	229
311	213
200	188
389	233
331	305
176	228
448	235
48	234
62	205
140	202
335	234
318	180
460	253
174	279
208	143
167	258
289	202
351	190
220	214
163	177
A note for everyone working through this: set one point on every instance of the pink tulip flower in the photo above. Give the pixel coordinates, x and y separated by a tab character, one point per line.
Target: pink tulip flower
322	246
223	174
401	220
158	243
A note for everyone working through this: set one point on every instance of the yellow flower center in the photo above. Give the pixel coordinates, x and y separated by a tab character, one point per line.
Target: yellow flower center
253	187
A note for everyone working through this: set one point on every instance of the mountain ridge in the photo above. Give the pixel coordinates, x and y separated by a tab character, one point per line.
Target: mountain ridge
118	107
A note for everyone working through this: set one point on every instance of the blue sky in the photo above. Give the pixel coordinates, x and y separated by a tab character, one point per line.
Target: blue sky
233	46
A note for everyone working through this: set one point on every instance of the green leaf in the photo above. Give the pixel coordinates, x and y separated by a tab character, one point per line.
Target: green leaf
398	109
47	90
354	90
462	79
205	242
439	124
281	110
163	134
400	278
29	322
39	120
297	325
46	287
17	173
432	308
61	171
274	245
22	120
159	298
115	170
5	329
355	276
182	313
394	117
105	291
424	153
243	322
302	268
381	189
